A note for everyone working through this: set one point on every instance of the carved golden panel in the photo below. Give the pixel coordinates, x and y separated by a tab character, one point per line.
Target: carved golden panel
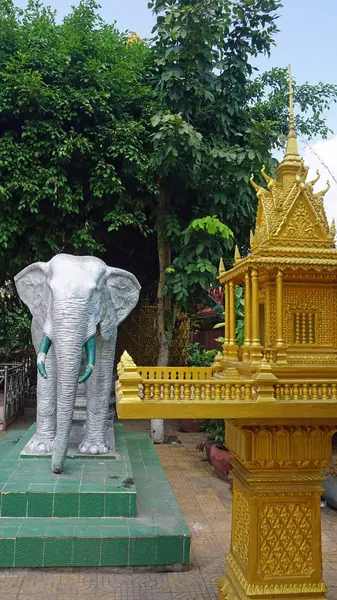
240	541
317	300
299	214
138	335
285	539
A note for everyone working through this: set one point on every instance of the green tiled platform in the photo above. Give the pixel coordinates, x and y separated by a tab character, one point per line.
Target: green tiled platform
157	536
88	488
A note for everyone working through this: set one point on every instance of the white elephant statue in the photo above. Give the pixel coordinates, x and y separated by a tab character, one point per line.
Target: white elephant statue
76	302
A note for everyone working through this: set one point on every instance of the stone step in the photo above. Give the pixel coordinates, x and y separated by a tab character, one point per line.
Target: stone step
92	543
91	486
156	538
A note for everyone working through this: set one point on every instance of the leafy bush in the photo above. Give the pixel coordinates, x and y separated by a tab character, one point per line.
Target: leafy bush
14	322
199	358
215	428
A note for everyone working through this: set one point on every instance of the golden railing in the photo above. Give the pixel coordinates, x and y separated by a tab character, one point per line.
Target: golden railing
199	392
315	390
194	384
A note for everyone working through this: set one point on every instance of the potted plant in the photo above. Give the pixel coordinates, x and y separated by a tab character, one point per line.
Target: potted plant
217	453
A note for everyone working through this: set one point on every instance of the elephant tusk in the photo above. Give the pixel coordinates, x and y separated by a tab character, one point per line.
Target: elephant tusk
41	355
90	351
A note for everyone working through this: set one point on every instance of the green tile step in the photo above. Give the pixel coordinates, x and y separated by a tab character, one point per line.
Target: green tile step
10	439
88	487
157	537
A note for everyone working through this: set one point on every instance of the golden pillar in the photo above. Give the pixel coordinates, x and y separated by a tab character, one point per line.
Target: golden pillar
256	345
232	322
247	317
279	309
276	533
281	351
227	318
255	309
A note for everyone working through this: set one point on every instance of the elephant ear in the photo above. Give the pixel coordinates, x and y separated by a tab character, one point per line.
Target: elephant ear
119	297
31	284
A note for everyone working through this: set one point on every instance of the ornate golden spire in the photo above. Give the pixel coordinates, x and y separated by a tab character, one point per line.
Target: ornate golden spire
292	139
221	266
292	163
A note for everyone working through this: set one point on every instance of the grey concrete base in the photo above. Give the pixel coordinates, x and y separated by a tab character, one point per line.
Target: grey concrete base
76	436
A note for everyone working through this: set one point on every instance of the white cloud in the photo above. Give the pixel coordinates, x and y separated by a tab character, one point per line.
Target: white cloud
323	156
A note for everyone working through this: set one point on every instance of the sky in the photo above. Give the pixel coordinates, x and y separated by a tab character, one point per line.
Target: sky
307	40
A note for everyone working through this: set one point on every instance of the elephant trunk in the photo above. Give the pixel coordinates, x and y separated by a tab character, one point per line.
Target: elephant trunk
68	339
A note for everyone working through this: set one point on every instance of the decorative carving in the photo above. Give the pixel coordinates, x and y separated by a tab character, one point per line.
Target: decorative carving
285	544
270	589
240	541
308	300
280	447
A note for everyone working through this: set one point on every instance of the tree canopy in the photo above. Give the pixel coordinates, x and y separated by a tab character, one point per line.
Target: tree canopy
141	151
72	161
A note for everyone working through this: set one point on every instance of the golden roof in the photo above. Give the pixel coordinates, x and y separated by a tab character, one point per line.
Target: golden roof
290	215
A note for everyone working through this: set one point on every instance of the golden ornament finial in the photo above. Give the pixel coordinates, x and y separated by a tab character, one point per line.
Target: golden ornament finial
320	195
291	103
221	266
292	139
237	254
270	181
311	184
260	191
133	38
333	229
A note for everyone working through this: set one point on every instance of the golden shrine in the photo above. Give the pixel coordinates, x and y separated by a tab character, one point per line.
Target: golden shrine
277	393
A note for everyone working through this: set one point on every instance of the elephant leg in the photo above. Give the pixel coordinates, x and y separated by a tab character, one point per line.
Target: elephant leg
98	391
46	405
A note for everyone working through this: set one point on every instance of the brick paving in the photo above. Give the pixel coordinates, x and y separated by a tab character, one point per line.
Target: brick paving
206	504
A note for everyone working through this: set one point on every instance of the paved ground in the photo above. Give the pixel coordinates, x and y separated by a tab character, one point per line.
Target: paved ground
206	504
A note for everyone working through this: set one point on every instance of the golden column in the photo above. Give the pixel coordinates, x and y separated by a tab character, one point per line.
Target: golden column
276	534
232	322
279	309
227	319
256	344
247	317
281	351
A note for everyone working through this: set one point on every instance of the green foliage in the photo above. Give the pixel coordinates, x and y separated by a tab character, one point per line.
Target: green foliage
73	100
14	322
193	270
199	358
215	429
268	92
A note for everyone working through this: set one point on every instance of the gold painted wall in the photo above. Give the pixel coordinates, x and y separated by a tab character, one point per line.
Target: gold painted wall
138	336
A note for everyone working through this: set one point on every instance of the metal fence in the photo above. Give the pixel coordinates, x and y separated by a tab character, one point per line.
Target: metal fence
17	385
12	392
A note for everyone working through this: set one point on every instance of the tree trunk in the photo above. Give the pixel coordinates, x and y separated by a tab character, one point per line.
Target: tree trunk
164	260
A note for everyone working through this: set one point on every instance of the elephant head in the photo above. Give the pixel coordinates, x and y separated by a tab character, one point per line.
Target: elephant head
69	297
